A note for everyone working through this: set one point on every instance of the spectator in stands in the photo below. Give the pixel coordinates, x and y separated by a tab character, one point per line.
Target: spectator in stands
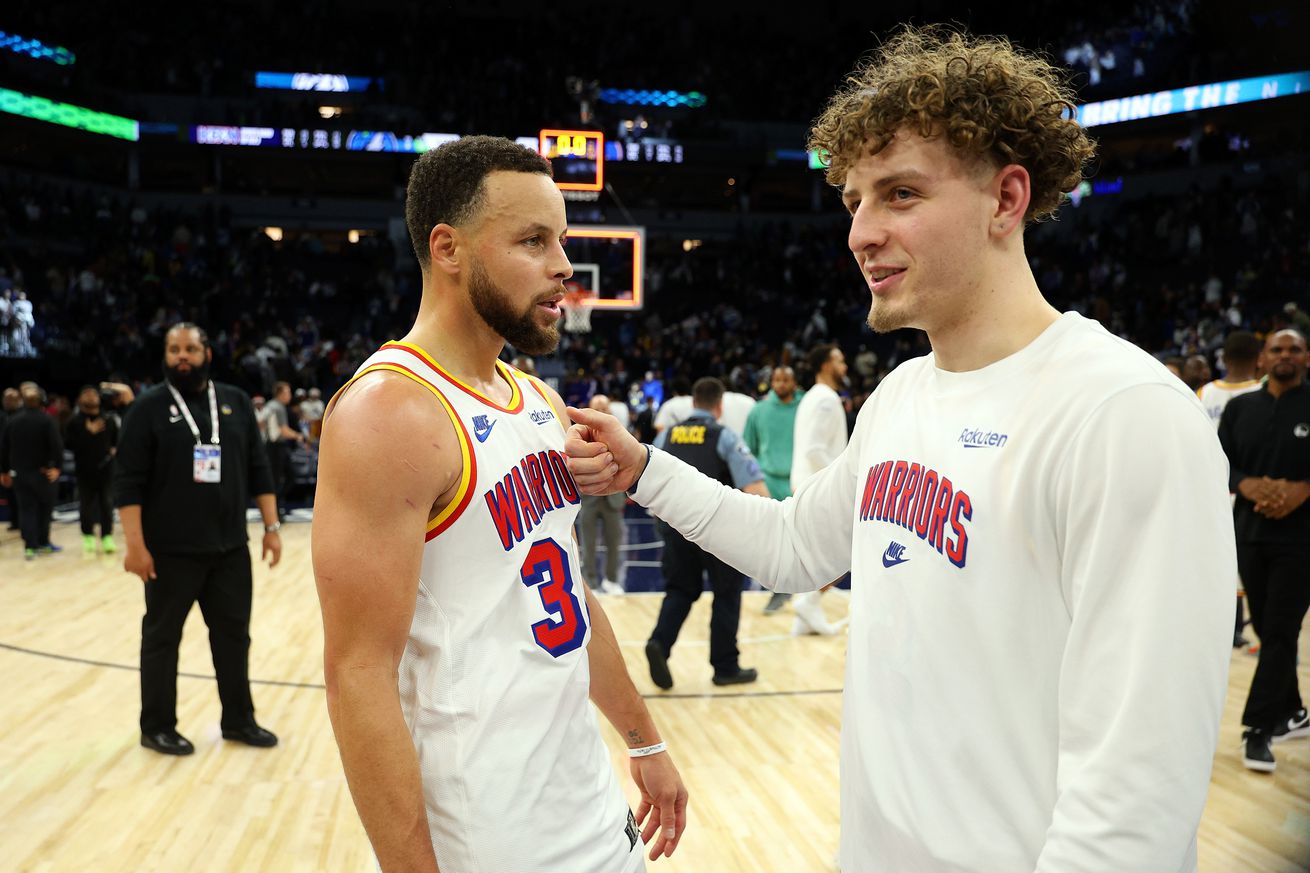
92	436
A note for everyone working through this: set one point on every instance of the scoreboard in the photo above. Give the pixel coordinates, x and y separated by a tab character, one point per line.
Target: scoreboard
578	157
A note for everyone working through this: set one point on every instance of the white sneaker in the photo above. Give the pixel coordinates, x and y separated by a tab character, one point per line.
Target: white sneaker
810	618
609	586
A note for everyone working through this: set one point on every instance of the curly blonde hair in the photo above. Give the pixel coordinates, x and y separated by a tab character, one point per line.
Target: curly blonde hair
989	99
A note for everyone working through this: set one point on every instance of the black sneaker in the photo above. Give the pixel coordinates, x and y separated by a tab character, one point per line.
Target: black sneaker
741	677
1295	725
1256	754
659	665
1240	642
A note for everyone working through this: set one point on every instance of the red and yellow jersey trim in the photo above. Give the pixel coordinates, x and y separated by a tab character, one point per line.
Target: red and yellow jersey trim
515	397
468	460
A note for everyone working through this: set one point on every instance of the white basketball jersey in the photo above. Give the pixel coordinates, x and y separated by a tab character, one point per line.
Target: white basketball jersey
1215	395
494	681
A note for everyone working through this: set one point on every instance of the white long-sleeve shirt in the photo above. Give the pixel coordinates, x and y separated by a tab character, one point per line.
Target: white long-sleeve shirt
1042	557
819	434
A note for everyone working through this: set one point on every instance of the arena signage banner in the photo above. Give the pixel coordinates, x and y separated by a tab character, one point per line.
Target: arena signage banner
68	115
1192	98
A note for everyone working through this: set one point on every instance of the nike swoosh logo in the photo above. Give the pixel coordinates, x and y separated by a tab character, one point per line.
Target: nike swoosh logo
892	562
175	419
483	434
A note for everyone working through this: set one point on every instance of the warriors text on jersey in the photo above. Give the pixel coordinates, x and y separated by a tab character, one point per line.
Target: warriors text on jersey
494	681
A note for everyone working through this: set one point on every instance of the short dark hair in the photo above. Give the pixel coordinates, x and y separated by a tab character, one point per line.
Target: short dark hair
187	325
446	185
1242	347
706	393
818	356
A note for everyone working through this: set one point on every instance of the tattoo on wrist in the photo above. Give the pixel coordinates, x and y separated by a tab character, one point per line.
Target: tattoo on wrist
636	739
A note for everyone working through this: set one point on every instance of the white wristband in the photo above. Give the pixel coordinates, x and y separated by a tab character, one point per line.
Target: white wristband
646	751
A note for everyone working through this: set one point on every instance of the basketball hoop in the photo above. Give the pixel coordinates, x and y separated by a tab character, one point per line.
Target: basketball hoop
577	312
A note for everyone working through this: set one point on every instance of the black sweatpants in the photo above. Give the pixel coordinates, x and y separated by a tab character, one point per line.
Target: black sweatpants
222	585
684	565
36	503
1277	581
95	495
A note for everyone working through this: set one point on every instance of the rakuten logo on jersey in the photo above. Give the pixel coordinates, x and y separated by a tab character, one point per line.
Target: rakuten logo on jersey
976	438
922	501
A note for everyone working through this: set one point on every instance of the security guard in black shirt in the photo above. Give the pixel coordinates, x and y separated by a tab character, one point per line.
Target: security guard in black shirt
716	451
1266	435
190	455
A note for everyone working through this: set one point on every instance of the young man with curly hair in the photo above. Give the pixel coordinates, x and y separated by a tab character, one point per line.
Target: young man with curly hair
1035	515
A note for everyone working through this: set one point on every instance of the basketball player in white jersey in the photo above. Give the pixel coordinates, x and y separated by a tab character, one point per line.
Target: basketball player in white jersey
461	641
1035	514
1241	360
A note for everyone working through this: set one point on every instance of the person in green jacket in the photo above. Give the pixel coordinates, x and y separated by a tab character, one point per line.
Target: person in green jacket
769	430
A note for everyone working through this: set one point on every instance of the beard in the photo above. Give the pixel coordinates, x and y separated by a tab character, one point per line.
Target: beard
189	382
519	329
885	319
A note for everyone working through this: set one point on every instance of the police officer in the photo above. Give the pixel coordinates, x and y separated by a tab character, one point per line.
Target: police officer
719	452
1266	435
190	455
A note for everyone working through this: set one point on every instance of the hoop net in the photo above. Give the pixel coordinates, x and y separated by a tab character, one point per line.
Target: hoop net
577	314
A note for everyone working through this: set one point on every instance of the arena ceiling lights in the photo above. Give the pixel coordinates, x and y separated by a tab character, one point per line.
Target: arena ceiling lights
34	48
68	115
636	97
333	82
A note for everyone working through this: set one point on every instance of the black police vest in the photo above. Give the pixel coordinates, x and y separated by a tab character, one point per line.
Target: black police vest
696	441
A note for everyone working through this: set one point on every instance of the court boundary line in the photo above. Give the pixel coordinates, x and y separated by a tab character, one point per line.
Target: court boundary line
318	686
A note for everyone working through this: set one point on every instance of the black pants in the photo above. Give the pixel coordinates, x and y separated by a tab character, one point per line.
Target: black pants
36	502
96	497
1277	581
222	585
684	564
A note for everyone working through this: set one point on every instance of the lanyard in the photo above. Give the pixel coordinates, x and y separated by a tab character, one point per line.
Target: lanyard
186	413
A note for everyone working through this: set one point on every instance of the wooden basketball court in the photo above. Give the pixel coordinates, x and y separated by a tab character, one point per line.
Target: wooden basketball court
78	793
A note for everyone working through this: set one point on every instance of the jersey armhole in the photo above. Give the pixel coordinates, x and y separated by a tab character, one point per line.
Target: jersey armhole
468	475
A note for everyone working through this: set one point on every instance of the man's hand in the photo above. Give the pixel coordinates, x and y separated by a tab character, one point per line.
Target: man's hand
1281	498
51	474
272	546
1257	490
139	562
663	801
602	456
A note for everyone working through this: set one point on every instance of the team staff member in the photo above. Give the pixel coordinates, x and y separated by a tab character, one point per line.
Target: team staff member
190	455
720	454
31	454
1266	435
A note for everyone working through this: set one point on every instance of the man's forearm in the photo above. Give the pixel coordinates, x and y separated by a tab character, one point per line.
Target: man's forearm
611	687
129	518
381	767
267	504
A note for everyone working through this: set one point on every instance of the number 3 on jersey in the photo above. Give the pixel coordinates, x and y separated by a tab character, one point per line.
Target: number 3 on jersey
547	569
